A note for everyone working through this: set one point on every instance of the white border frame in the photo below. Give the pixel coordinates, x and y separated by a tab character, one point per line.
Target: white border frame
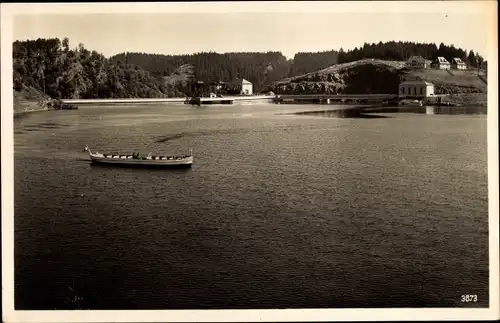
10	315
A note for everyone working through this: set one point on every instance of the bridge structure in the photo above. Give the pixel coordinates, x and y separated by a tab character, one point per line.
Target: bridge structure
339	98
285	98
203	100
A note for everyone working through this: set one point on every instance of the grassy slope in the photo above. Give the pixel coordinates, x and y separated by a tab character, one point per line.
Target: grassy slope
462	87
451	79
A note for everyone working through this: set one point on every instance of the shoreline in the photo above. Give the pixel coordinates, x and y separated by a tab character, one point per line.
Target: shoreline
27	106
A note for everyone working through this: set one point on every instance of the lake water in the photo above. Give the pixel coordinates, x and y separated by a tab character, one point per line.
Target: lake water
278	211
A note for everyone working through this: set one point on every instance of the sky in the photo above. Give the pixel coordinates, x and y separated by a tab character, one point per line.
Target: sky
287	27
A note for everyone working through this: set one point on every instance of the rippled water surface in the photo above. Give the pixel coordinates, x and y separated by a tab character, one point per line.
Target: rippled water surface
278	211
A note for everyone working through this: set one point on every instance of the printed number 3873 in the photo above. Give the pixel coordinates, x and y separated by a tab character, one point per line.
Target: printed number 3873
469	298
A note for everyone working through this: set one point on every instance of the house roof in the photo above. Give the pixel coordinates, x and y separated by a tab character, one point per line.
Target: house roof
442	60
420	58
458	61
420	82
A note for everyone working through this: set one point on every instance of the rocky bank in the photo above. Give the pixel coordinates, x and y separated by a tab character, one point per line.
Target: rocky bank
29	99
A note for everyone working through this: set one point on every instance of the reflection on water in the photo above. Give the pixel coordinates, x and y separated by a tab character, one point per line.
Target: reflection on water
372	112
342	113
430	110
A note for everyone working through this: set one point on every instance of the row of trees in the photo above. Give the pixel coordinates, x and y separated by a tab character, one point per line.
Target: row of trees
51	66
311	62
402	51
392	51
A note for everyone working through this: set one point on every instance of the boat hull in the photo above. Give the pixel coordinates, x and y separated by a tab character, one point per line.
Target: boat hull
187	163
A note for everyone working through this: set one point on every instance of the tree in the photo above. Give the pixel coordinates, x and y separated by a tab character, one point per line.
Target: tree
65	44
479	60
472	59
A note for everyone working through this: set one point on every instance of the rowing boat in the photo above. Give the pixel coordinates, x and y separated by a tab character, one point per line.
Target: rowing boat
136	159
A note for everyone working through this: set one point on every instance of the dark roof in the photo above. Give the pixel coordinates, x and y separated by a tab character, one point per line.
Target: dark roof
415	82
420	58
441	60
458	61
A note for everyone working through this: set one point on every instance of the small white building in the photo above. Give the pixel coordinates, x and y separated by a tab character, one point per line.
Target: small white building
441	63
246	87
240	86
417	62
458	64
416	89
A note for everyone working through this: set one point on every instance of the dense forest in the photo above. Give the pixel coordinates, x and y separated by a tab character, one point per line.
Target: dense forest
310	62
401	51
51	66
262	69
259	68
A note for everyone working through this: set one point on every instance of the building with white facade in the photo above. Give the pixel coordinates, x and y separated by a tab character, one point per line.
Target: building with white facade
246	87
441	63
240	86
458	64
418	62
416	89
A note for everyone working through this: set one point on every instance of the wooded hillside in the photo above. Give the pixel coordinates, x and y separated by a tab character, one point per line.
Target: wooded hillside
259	68
52	67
